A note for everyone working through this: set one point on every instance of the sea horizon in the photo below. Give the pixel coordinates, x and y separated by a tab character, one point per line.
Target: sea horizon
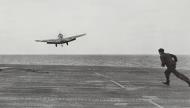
142	61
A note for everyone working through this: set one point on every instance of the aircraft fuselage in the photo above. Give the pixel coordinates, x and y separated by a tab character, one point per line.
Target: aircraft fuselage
61	41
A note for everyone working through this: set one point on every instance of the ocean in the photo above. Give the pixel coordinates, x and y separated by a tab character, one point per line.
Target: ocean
147	61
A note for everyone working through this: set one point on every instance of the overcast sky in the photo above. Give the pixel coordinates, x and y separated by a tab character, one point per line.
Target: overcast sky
112	26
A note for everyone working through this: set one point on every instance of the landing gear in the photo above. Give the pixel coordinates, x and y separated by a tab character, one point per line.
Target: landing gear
67	43
56	45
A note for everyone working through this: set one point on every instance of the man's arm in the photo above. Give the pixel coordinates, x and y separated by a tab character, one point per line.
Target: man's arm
174	56
162	61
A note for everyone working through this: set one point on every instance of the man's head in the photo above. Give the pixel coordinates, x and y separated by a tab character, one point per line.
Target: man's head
161	51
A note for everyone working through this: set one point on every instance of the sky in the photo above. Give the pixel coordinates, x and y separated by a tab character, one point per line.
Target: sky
112	26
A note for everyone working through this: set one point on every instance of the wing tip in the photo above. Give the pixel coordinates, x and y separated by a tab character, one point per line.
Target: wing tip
83	34
38	40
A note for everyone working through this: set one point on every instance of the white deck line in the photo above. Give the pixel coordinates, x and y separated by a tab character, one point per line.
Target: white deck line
121	86
150	100
116	83
101	75
154	103
5	67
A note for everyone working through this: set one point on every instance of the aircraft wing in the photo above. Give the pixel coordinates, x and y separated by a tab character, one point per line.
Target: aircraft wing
50	40
74	37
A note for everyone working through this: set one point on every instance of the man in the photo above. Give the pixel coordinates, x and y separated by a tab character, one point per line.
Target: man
170	60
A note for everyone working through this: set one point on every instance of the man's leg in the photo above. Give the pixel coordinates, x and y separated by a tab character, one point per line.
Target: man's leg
181	76
167	75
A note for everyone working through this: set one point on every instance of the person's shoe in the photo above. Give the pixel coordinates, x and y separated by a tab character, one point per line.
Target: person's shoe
166	83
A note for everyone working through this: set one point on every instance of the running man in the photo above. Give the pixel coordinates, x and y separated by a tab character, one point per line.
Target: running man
170	60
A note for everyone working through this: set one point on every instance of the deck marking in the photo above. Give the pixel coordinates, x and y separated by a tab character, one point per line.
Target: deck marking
145	98
117	83
121	104
5	67
150	100
154	103
101	75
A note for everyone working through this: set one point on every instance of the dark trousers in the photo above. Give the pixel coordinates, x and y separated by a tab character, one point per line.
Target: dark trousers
173	70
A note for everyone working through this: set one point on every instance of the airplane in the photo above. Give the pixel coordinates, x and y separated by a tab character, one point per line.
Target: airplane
61	40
